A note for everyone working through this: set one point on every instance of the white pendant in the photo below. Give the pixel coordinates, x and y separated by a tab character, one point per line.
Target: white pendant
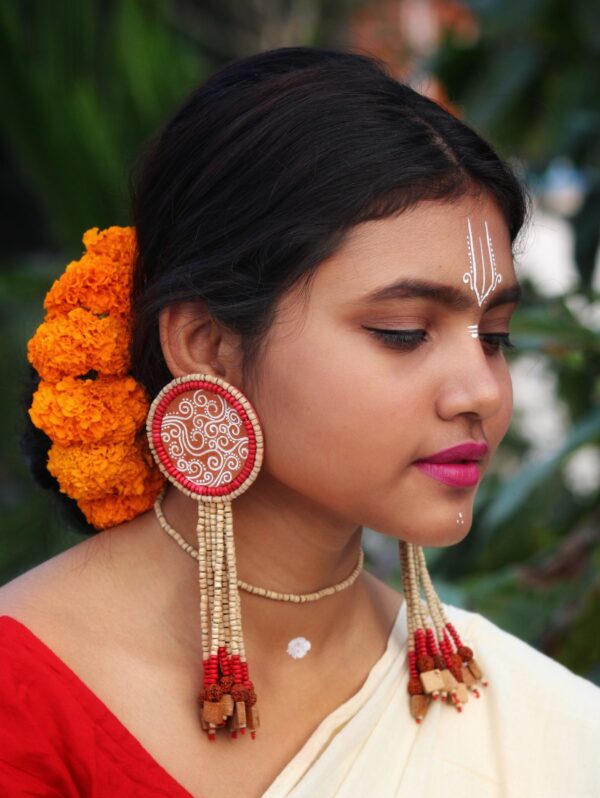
298	647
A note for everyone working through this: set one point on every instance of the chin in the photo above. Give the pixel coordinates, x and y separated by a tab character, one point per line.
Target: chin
431	530
446	537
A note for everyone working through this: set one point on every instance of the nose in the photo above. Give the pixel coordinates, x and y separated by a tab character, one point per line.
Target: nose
473	383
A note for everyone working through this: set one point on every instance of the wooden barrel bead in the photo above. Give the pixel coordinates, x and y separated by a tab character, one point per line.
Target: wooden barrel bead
252	717
468	677
432	681
450	682
212	712
239	715
227	704
462	693
419	704
475	669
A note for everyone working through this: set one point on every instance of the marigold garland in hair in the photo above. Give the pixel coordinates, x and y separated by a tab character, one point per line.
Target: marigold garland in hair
101	513
92	472
101	410
79	342
86	402
101	279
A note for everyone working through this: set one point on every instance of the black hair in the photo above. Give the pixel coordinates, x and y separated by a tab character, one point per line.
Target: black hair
264	169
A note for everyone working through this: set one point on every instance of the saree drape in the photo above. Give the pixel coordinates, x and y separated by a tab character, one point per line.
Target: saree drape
534	732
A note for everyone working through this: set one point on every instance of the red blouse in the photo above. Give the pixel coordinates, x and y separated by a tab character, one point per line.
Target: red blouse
57	738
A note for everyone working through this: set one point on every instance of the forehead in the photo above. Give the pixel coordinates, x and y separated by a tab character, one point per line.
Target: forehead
434	241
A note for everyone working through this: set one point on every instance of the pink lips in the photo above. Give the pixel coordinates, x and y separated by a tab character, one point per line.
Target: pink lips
457	466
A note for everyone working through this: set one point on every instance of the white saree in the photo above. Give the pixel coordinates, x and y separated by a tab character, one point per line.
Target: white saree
535	731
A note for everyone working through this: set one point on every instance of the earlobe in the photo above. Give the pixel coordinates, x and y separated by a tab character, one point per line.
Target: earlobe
190	339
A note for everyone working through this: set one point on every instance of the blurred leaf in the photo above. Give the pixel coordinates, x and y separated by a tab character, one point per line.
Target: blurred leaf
514	492
97	80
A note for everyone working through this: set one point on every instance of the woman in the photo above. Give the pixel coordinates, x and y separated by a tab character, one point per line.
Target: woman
338	249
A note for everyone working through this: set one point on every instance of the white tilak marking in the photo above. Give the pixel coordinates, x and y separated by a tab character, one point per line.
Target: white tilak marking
473	330
470	277
460	519
298	647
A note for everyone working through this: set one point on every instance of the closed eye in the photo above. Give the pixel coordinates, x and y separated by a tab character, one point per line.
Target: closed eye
411	339
497	341
399	339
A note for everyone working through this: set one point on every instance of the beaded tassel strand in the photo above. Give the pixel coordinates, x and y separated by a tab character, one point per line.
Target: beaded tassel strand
432	673
440	666
243	694
206	439
227	697
463	658
418	701
211	693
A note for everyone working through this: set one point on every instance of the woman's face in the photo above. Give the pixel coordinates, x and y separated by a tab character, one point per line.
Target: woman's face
360	379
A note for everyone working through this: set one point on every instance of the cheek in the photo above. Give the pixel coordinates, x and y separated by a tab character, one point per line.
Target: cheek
333	427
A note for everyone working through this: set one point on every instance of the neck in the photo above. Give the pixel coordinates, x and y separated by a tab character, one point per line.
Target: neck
286	544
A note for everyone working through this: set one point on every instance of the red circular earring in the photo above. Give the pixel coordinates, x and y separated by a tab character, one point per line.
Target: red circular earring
206	439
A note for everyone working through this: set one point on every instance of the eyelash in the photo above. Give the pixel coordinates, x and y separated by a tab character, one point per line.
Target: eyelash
411	339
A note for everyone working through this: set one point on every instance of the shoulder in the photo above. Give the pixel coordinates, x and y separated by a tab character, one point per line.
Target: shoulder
536	728
57	608
30	673
39	597
537	684
39	719
534	671
63	590
52	729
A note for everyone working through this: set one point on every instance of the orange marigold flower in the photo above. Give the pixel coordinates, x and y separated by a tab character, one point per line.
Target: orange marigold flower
92	412
91	472
73	345
112	510
96	284
115	243
74	411
101	280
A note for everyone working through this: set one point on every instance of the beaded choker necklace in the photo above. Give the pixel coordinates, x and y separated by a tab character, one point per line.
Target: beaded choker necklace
298	598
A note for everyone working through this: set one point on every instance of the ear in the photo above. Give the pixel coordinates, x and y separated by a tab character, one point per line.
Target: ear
193	343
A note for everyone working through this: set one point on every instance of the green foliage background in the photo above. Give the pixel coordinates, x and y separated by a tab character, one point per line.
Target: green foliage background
83	86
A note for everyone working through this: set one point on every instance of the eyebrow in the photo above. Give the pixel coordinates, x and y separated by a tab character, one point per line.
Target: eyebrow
446	295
